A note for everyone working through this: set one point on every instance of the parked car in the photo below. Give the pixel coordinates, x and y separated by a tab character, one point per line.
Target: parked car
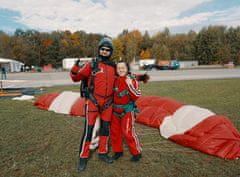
174	64
163	65
151	67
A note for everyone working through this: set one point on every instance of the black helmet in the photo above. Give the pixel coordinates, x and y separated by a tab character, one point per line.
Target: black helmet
105	42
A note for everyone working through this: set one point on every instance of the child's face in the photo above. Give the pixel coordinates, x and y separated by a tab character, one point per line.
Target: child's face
122	69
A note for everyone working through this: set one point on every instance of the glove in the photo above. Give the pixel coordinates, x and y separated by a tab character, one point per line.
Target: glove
75	69
77	62
143	77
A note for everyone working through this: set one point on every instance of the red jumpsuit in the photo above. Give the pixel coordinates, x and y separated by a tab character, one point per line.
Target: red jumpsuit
103	91
123	117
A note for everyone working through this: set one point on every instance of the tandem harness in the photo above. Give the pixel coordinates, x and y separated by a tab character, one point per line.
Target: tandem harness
87	91
127	107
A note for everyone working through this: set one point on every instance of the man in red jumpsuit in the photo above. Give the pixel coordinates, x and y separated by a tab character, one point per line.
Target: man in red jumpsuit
100	76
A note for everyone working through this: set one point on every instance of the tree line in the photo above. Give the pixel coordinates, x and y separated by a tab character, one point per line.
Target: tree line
211	45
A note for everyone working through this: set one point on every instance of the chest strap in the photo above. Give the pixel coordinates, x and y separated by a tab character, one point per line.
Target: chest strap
123	93
88	90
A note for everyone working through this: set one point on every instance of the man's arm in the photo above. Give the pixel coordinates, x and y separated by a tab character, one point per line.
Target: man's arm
79	73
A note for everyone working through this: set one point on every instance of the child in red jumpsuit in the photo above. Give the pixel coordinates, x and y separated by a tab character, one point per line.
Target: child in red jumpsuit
126	92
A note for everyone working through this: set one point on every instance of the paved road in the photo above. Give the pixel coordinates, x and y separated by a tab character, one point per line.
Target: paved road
19	80
194	74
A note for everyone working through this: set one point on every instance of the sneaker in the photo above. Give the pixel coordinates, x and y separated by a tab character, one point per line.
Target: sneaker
82	164
117	155
105	158
136	158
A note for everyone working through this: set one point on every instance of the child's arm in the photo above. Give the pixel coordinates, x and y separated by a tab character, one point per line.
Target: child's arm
133	89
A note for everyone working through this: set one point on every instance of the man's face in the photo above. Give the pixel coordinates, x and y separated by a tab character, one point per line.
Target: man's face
105	51
122	69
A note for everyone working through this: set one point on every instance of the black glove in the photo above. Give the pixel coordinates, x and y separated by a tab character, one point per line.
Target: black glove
143	77
77	62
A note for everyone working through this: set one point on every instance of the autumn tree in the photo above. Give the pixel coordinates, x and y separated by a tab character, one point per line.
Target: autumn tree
117	50
131	43
223	55
213	44
181	46
146	41
161	42
5	45
145	54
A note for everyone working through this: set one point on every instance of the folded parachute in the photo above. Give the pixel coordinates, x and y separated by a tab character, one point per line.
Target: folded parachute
188	125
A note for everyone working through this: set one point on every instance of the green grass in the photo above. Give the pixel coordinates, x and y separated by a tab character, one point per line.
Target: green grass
34	142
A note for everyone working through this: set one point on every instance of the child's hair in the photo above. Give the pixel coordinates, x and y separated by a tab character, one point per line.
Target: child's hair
127	64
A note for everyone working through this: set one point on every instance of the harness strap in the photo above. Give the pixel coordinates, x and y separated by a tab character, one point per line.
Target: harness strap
103	96
132	76
123	93
105	106
90	89
95	69
119	114
127	108
93	99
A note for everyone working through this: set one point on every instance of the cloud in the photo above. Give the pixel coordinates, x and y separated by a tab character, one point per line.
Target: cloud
229	17
104	16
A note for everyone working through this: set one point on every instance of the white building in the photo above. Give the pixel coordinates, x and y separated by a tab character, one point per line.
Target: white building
188	64
11	65
146	62
67	63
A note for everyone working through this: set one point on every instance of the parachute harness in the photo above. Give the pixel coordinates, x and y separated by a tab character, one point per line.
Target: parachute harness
131	106
87	91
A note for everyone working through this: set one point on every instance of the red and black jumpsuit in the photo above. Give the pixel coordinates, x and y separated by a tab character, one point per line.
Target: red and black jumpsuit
123	117
103	92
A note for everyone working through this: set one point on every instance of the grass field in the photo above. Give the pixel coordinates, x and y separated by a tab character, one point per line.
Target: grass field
36	143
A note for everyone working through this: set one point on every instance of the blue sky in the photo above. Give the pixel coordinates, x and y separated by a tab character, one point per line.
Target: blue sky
212	6
8	22
112	16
